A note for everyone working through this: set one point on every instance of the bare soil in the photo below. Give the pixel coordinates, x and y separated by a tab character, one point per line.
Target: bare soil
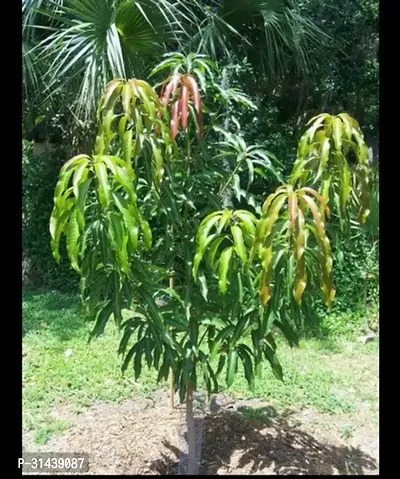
141	436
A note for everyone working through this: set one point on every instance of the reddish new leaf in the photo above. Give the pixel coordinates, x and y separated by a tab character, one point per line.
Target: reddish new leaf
170	89
174	119
184	105
194	92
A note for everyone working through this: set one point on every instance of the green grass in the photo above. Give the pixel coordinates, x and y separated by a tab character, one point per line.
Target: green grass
334	375
52	325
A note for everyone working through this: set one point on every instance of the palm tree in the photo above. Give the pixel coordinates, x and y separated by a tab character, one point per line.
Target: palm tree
89	42
82	44
274	35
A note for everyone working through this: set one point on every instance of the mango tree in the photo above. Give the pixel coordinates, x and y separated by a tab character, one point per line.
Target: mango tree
203	288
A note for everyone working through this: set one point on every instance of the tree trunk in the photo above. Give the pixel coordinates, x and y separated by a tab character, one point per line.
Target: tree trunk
191	434
171	371
227	202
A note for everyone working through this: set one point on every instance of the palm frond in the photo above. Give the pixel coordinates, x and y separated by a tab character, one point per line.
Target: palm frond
97	40
274	34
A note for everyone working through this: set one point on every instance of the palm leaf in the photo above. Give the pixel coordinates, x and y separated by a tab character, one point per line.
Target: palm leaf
98	41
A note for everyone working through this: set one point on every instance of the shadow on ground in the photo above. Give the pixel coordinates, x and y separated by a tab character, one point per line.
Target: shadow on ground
258	440
60	314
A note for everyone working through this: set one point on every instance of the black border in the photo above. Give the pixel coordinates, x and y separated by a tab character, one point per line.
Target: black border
13	316
387	34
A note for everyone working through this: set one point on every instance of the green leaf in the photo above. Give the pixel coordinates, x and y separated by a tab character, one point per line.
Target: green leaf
302	149
236	187
118	301
219	339
103	185
288	332
239	242
102	319
71	164
225	259
324	158
271	356
149	345
206	373
193	330
250	167
147	236
125	176
215	321
148	91
345	185
81	201
157	319
127	147
171	204
158	165
205	227
106	128
173	294
129	218
300	279
203	285
348	124
111	94
73	240
128	358
127	95
271	217
247	365
62	191
120	240
57	225
137	365
337	133
214	379
80	175
240	327
100	145
224	219
316	124
212	251
232	367
221	363
164	369
122	127
156	356
240	287
112	162
325	185
130	327
200	253
248	224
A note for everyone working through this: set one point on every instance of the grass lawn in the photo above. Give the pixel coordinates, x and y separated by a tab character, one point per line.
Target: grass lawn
60	368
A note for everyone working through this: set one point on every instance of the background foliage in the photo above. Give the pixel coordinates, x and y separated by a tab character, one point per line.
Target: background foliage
39	180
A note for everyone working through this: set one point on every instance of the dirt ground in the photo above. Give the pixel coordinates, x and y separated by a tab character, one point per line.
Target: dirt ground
246	437
303	442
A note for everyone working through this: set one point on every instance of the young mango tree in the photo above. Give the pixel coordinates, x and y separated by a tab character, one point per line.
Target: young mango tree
203	288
